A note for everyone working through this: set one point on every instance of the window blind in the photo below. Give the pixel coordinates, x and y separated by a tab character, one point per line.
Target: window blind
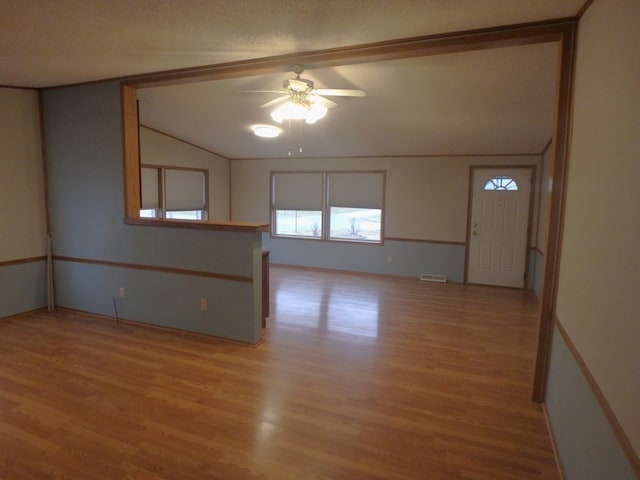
297	191
149	188
184	190
356	190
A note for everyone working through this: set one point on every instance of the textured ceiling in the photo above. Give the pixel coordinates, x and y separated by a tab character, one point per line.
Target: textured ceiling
55	42
494	101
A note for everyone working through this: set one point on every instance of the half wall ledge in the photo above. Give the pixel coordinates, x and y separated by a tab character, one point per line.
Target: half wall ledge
228	226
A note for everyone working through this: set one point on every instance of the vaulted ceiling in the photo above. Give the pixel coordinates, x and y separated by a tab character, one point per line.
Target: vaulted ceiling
492	101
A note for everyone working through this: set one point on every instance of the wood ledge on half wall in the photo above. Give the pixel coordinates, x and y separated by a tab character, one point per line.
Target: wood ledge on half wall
228	226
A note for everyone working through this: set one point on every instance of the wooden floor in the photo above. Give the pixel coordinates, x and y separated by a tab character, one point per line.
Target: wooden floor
358	378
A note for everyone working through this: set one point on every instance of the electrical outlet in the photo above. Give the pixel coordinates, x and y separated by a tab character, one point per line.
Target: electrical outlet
204	305
121	292
389	259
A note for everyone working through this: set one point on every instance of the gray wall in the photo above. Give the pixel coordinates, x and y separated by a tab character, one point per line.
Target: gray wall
22	288
536	270
84	144
407	258
544	187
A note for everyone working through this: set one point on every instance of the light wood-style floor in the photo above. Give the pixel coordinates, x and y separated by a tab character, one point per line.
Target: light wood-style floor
358	378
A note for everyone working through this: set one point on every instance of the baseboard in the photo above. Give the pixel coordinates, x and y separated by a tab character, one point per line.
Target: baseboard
552	438
25	313
136	323
350	272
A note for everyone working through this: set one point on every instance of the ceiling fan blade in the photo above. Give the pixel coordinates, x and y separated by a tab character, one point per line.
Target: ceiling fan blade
327	103
274	101
340	92
261	91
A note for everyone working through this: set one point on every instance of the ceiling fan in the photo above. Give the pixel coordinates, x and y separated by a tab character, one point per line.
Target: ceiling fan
302	100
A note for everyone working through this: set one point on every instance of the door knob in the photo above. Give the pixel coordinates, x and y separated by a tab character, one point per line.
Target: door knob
474	225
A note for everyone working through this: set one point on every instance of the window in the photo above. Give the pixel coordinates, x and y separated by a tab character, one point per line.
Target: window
174	193
297	204
342	206
355	206
501	182
300	223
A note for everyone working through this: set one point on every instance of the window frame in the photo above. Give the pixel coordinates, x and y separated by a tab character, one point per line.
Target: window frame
499	185
325	213
161	210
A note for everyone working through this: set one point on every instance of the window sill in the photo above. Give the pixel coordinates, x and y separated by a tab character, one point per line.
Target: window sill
228	226
329	240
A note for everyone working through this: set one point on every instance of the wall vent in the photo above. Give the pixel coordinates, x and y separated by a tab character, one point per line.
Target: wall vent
430	277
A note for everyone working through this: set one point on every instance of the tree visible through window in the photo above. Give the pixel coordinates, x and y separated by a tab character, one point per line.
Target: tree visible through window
501	182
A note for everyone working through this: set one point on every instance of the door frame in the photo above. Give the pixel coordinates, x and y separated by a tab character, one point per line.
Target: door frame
532	196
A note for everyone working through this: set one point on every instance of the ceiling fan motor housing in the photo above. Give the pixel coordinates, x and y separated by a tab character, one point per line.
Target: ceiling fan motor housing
297	85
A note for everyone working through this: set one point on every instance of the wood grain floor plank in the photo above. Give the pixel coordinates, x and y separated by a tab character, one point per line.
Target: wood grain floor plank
359	377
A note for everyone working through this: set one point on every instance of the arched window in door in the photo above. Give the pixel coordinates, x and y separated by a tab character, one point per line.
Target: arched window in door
501	182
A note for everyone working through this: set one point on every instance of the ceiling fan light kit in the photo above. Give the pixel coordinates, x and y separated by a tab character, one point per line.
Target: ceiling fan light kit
310	112
266	131
302	101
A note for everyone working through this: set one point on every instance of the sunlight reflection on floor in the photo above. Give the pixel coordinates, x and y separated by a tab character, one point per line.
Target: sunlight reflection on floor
325	307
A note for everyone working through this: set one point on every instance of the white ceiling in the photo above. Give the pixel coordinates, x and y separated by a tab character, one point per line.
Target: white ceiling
484	102
497	101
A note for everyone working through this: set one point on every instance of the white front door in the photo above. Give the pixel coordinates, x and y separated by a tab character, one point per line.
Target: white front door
498	226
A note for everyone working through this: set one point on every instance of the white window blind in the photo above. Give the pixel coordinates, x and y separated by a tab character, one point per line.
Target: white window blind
150	188
184	190
356	190
297	191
